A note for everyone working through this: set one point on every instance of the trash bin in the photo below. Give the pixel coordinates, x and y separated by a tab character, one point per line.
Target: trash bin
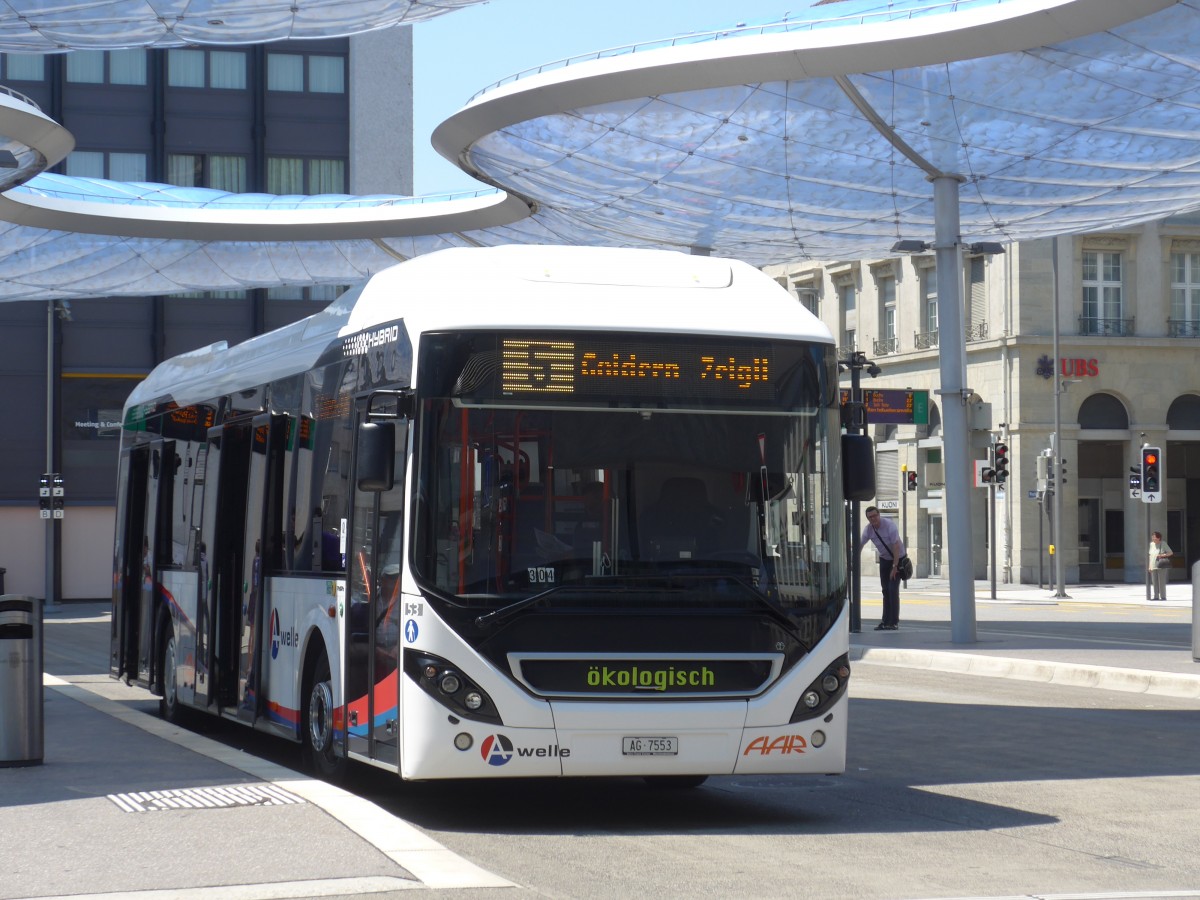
21	730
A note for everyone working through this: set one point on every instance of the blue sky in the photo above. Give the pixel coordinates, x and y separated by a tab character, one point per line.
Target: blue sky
458	54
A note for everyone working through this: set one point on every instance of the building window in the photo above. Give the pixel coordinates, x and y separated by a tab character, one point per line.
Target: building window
97	164
85	67
285	72
806	292
113	67
85	164
221	69
227	173
288	71
227	69
212	295
127	166
1185	295
848	297
185	68
929	300
887	317
293	175
285	175
127	67
327	74
223	173
1103	306
25	66
321	293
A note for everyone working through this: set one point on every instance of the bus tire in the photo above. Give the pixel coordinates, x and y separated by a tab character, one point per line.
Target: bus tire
675	782
169	707
317	723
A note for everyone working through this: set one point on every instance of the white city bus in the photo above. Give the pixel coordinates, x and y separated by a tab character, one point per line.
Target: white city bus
520	511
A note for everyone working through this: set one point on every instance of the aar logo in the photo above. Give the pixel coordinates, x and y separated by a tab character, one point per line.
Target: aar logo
496	750
274	634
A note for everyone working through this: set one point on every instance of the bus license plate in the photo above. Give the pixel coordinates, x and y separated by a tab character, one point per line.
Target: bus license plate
650	746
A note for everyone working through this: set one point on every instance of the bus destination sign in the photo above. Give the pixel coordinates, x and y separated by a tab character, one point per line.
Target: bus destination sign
888	406
548	367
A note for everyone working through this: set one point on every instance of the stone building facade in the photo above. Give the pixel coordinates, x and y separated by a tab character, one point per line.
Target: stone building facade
1126	375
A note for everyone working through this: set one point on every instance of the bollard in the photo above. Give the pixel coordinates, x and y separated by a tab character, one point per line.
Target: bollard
1196	611
21	730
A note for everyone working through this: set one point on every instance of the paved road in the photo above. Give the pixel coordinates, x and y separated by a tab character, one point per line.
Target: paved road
958	786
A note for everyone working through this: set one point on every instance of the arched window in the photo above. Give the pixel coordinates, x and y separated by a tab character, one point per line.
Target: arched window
1184	414
1103	411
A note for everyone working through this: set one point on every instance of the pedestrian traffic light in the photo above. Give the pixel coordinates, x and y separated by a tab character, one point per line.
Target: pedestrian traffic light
912	481
1000	461
1151	460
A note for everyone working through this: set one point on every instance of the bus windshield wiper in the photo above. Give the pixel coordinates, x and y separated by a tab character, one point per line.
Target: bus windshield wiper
498	615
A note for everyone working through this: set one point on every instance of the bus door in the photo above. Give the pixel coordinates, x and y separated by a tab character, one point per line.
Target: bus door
376	611
222	549
262	548
133	592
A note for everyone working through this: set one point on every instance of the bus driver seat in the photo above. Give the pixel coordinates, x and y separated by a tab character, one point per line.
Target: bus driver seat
681	524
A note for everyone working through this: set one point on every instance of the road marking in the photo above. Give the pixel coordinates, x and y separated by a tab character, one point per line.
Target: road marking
410	848
205	798
278	890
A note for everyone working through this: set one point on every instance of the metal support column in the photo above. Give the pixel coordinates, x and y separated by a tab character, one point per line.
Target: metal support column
956	438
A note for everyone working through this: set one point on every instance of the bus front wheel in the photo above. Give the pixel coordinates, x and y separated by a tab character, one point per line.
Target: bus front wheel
317	723
169	707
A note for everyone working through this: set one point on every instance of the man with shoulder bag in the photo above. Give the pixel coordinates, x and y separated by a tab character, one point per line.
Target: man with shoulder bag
893	564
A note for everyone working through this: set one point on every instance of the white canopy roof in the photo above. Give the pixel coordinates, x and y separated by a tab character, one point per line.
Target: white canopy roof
806	139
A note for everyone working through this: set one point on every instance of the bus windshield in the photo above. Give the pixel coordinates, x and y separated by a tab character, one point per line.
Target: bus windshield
628	495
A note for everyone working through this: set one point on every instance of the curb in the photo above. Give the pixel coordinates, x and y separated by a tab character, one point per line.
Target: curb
1138	681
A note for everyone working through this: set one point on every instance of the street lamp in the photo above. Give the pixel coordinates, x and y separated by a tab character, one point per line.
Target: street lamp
856	422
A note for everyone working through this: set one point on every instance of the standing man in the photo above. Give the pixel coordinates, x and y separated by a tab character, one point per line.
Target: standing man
884	534
1160	565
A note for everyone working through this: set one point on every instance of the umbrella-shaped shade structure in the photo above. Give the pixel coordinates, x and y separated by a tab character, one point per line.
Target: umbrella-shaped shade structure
38	26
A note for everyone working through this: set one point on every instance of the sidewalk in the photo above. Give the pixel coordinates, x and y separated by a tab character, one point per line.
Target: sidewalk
125	803
1100	635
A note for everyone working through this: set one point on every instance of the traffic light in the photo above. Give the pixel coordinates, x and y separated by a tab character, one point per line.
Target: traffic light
1000	461
912	481
1045	475
1151	460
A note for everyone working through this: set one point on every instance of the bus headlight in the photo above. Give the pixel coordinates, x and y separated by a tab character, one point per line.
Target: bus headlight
463	741
825	690
446	683
817	739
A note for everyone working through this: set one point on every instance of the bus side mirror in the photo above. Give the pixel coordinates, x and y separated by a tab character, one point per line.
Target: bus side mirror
858	467
376	456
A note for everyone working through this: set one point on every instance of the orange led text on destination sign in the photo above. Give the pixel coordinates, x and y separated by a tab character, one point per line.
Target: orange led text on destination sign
553	367
709	368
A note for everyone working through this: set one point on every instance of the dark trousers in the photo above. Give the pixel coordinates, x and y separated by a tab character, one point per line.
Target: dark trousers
891	592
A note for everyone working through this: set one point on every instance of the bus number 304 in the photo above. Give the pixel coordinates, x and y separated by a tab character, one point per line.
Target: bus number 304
541	574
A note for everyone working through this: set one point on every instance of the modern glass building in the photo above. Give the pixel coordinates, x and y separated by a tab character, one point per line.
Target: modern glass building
301	117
